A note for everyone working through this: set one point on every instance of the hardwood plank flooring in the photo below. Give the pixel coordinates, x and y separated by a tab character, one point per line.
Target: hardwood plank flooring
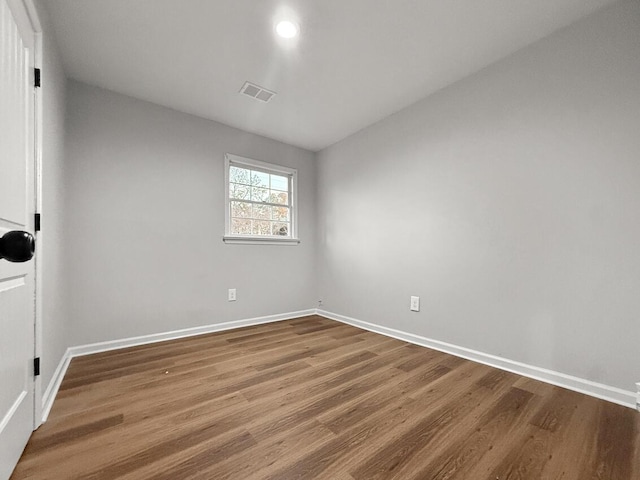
315	399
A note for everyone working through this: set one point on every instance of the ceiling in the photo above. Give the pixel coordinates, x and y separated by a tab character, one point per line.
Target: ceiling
355	62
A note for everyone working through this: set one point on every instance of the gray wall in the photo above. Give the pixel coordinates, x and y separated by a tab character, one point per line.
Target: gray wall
146	202
509	202
54	319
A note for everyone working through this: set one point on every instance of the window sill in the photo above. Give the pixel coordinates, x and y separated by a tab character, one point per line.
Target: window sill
260	241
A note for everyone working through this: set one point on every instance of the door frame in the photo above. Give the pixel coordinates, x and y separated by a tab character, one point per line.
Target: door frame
31	20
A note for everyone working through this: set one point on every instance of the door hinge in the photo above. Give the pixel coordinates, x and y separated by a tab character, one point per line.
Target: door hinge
36	366
36	77
36	222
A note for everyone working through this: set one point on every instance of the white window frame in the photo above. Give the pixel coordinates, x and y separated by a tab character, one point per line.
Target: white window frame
231	159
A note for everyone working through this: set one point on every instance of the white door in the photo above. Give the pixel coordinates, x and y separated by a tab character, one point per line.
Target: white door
17	297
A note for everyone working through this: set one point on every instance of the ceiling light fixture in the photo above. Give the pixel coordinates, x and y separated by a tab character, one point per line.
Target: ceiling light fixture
287	29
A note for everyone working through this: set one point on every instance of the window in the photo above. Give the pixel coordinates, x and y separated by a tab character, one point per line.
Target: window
260	202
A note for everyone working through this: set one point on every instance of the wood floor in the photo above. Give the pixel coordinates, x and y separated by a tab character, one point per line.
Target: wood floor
315	399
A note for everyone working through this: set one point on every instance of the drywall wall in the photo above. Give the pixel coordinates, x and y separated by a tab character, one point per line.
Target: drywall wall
146	202
508	202
54	339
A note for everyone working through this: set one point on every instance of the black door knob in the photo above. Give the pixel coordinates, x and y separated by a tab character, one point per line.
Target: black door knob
17	246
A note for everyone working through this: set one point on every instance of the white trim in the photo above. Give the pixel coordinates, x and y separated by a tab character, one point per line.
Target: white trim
54	385
598	390
594	389
81	350
227	210
239	240
12	411
260	165
186	332
292	173
38	138
26	16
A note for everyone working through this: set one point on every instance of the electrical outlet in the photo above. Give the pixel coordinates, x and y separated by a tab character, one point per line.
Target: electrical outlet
232	294
415	304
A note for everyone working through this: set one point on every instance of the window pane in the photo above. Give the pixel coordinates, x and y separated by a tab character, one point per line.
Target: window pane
260	179
279	183
241	192
239	175
279	197
281	229
261	228
259	194
280	214
240	209
260	199
240	227
262	212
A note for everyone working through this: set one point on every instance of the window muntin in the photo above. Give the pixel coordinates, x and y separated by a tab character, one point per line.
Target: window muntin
259	200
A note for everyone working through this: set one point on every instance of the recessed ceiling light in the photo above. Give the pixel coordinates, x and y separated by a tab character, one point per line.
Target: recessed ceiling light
287	29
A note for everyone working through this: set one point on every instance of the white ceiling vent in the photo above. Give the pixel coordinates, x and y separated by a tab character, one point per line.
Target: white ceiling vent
257	92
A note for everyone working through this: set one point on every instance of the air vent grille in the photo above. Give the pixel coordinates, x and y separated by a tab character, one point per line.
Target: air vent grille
256	91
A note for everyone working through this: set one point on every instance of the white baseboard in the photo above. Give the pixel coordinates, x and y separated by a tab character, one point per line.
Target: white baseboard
54	385
186	332
80	350
598	390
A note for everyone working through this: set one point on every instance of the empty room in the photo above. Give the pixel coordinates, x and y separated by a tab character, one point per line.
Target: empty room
332	239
